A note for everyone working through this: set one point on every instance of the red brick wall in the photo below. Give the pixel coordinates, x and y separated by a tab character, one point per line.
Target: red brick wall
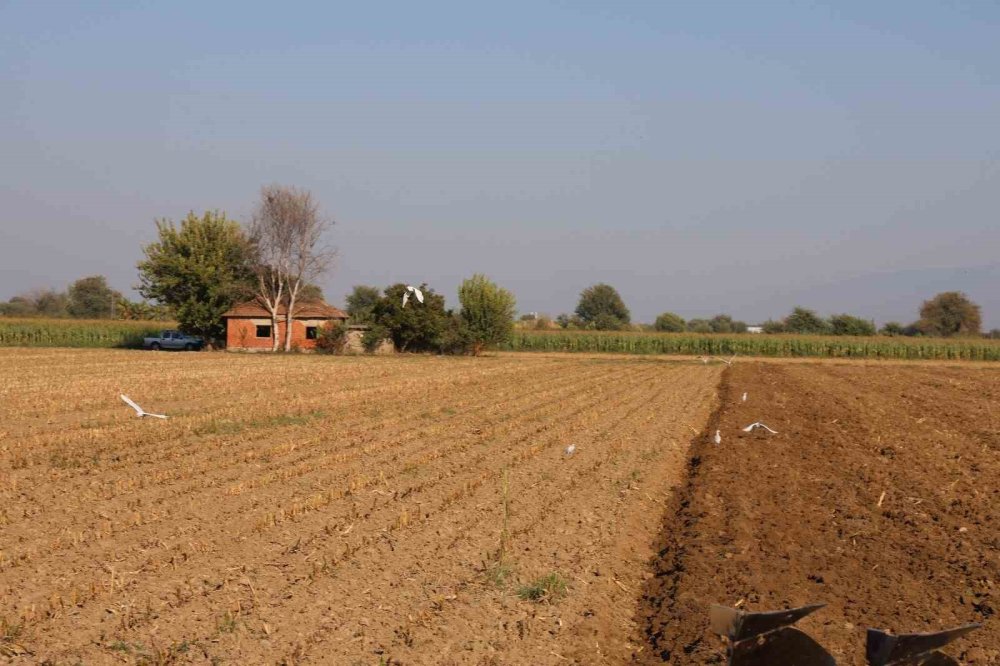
241	333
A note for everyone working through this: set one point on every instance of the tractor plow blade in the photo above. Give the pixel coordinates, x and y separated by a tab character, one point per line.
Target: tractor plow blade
884	649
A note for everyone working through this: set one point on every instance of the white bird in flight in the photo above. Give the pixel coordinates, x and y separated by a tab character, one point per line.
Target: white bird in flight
570	449
718	437
139	411
758	424
416	292
729	362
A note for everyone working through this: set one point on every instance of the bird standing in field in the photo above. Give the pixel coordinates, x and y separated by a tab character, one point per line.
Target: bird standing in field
744	399
570	449
718	437
139	411
416	292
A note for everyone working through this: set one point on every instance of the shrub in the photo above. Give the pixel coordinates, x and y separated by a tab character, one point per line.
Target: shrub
373	337
331	338
892	328
668	322
845	324
773	326
699	326
457	338
606	321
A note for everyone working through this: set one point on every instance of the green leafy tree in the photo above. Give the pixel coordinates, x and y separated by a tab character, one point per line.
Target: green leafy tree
994	334
602	307
802	320
417	327
311	293
361	303
198	270
142	311
950	313
773	326
18	306
91	298
893	328
724	323
51	303
845	324
605	321
38	303
487	312
373	338
699	326
668	322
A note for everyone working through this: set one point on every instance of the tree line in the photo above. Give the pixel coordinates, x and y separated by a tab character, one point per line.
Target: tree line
87	298
197	270
947	314
484	319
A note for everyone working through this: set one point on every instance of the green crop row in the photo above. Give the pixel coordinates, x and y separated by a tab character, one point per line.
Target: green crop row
973	349
76	333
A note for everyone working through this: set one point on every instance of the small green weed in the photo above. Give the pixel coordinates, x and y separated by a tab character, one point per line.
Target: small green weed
550	587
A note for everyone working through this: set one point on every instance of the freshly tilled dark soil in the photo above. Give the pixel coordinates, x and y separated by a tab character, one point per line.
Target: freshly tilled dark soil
878	496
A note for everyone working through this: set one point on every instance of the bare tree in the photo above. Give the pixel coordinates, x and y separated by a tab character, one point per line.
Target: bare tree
287	230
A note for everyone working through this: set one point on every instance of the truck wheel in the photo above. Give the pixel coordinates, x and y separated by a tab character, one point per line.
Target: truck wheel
155	346
189	347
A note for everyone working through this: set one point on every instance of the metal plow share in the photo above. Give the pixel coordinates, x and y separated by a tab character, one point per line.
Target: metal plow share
768	639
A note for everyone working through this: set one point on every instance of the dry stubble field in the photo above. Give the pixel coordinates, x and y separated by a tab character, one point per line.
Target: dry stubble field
303	509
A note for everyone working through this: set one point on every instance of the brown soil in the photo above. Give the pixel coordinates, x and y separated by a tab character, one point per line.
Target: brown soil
332	510
879	496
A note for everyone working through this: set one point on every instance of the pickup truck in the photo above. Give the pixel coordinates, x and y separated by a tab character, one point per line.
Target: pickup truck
173	340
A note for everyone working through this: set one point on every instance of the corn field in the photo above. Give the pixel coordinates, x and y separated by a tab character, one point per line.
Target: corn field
76	332
755	345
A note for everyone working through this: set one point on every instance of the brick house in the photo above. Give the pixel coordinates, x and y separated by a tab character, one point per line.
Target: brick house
248	325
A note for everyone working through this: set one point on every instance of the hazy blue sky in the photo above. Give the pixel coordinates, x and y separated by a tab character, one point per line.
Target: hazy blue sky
701	157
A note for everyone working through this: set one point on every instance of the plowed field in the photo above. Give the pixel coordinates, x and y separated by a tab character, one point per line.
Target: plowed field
334	510
879	496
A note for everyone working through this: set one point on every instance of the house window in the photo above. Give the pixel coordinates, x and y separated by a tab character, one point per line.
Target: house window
311	332
263	331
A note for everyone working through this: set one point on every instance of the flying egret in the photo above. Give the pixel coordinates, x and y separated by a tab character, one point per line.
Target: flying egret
758	424
718	437
570	449
139	411
729	362
416	292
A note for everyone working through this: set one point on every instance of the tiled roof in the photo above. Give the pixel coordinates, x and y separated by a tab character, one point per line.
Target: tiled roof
305	310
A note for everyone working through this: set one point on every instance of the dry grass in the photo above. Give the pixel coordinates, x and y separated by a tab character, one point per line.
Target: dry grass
298	507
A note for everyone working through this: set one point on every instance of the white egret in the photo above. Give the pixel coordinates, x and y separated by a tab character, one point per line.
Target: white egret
416	292
139	411
758	424
718	437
